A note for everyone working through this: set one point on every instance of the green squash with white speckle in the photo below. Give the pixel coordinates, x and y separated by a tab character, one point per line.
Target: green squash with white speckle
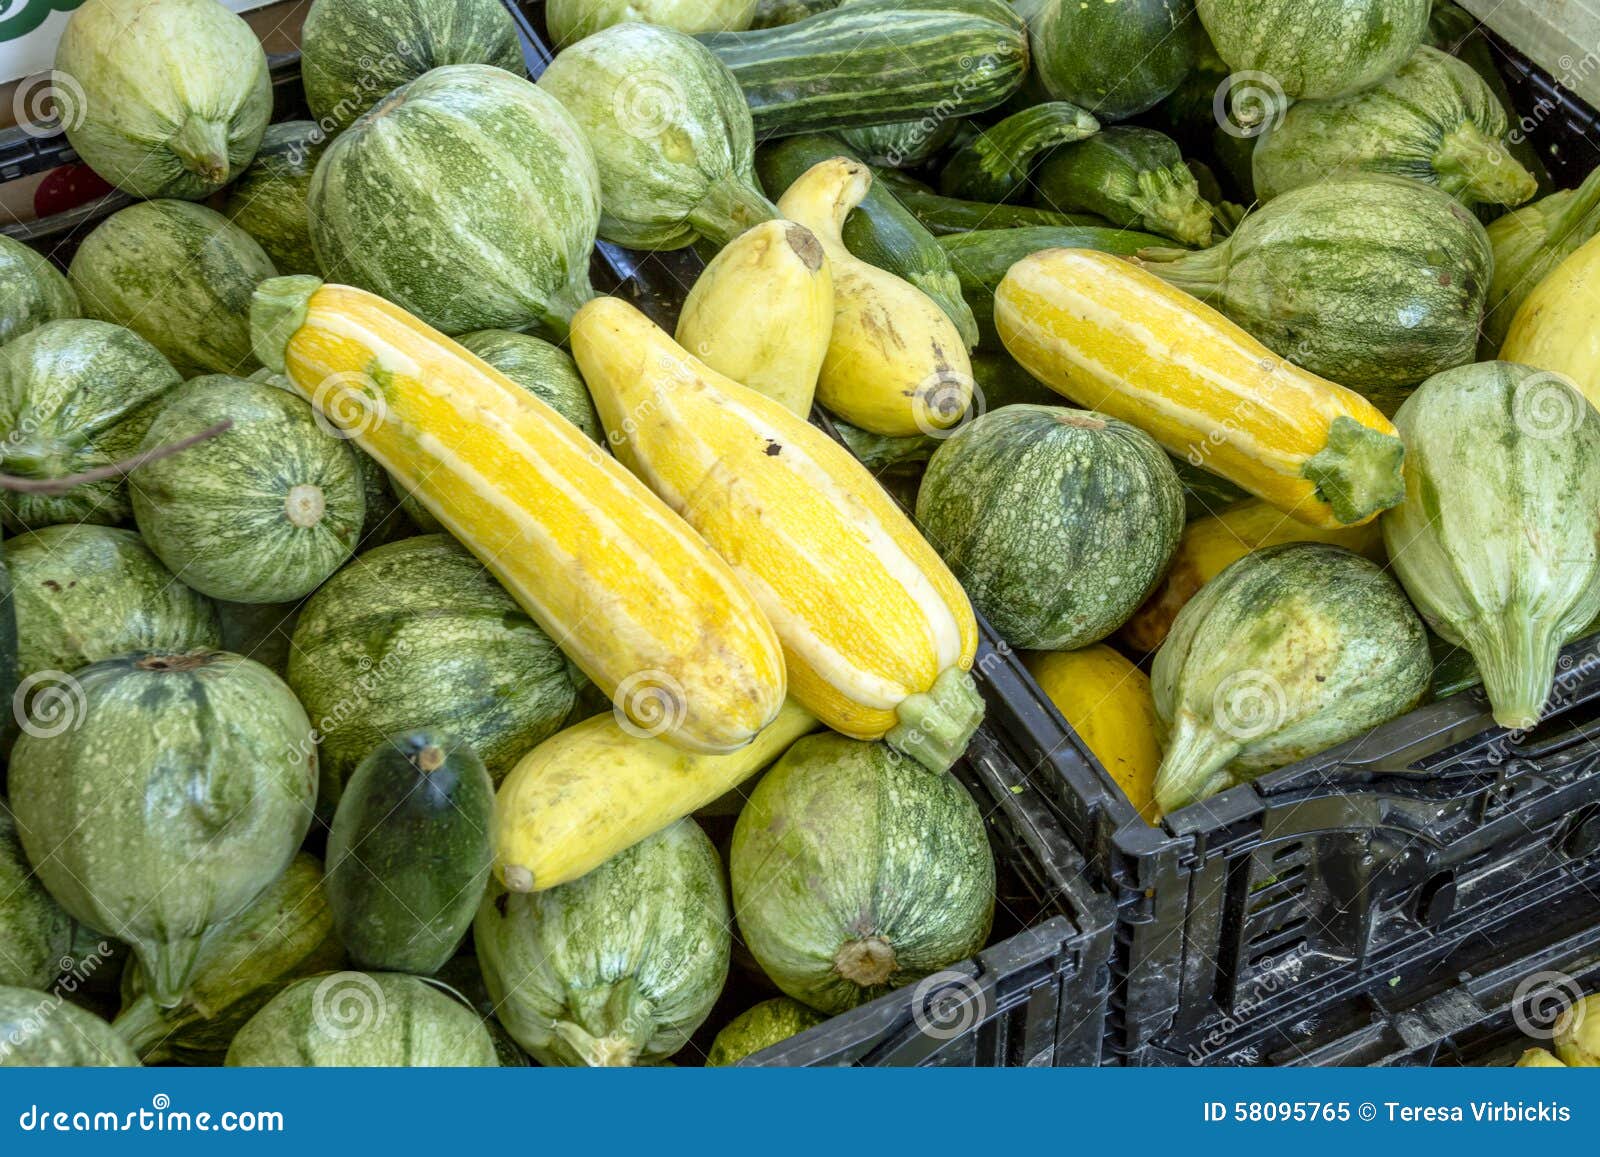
32	291
268	201
1058	522
263	512
34	932
40	1030
1315	49
759	1027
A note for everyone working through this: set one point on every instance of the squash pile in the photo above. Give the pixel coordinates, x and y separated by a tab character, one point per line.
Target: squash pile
421	658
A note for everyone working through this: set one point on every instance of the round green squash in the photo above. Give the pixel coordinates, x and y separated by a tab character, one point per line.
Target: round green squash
671	133
1498	540
180	276
259	631
1434	121
285	933
1058	522
263	512
416	634
163	98
268	201
569	21
408	853
758	1027
1287	652
855	872
32	291
41	1030
1373	282
354	52
469	197
75	395
363	1020
34	932
617	967
162	793
1313	49
85	593
1115	58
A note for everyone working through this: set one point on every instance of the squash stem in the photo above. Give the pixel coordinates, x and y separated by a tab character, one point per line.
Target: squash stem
277	309
1169	203
1357	472
202	145
1200	272
868	962
1573	222
563	303
167	967
143	1025
1193	767
730	207
943	288
1517	658
935	725
610	1026
1470	161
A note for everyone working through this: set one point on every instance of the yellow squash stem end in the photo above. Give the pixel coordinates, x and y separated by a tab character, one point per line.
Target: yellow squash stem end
936	724
1358	473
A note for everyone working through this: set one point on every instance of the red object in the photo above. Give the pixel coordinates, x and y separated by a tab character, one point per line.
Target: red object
66	187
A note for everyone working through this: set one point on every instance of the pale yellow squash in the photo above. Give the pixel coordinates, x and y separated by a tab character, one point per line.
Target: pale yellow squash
1555	328
896	363
596	789
622	584
877	634
762	312
1113	338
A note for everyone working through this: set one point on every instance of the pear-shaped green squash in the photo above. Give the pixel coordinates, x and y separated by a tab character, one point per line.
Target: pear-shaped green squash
32	291
76	394
617	967
34	931
855	871
163	98
363	1020
1498	539
41	1030
671	135
285	933
757	1027
268	201
1577	1039
85	593
409	854
157	794
1287	652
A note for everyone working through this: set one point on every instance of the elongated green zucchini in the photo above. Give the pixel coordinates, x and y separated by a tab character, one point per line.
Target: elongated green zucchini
880	231
901	144
1132	176
942	215
877	61
994	165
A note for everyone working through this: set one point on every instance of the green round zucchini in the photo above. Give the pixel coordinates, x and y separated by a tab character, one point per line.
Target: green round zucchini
758	1027
268	201
34	932
32	291
1115	58
1314	49
43	1031
259	631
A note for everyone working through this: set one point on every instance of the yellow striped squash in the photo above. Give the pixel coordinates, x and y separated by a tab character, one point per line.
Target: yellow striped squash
877	634
623	585
1114	338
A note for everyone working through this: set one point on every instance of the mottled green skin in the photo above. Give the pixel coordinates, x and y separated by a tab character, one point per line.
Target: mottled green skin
158	794
40	1030
569	21
1528	244
841	842
417	634
353	52
85	593
469	197
268	201
617	967
409	854
1133	177
34	932
180	276
1373	282
263	512
284	934
1114	57
75	395
1287	652
1315	49
363	1020
169	97
544	370
1058	522
756	1028
32	291
259	631
1498	540
1414	125
877	61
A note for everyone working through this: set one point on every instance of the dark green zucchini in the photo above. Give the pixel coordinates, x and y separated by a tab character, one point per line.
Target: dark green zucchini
409	855
1134	177
942	215
995	164
880	231
901	144
777	13
1203	492
1114	57
876	61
